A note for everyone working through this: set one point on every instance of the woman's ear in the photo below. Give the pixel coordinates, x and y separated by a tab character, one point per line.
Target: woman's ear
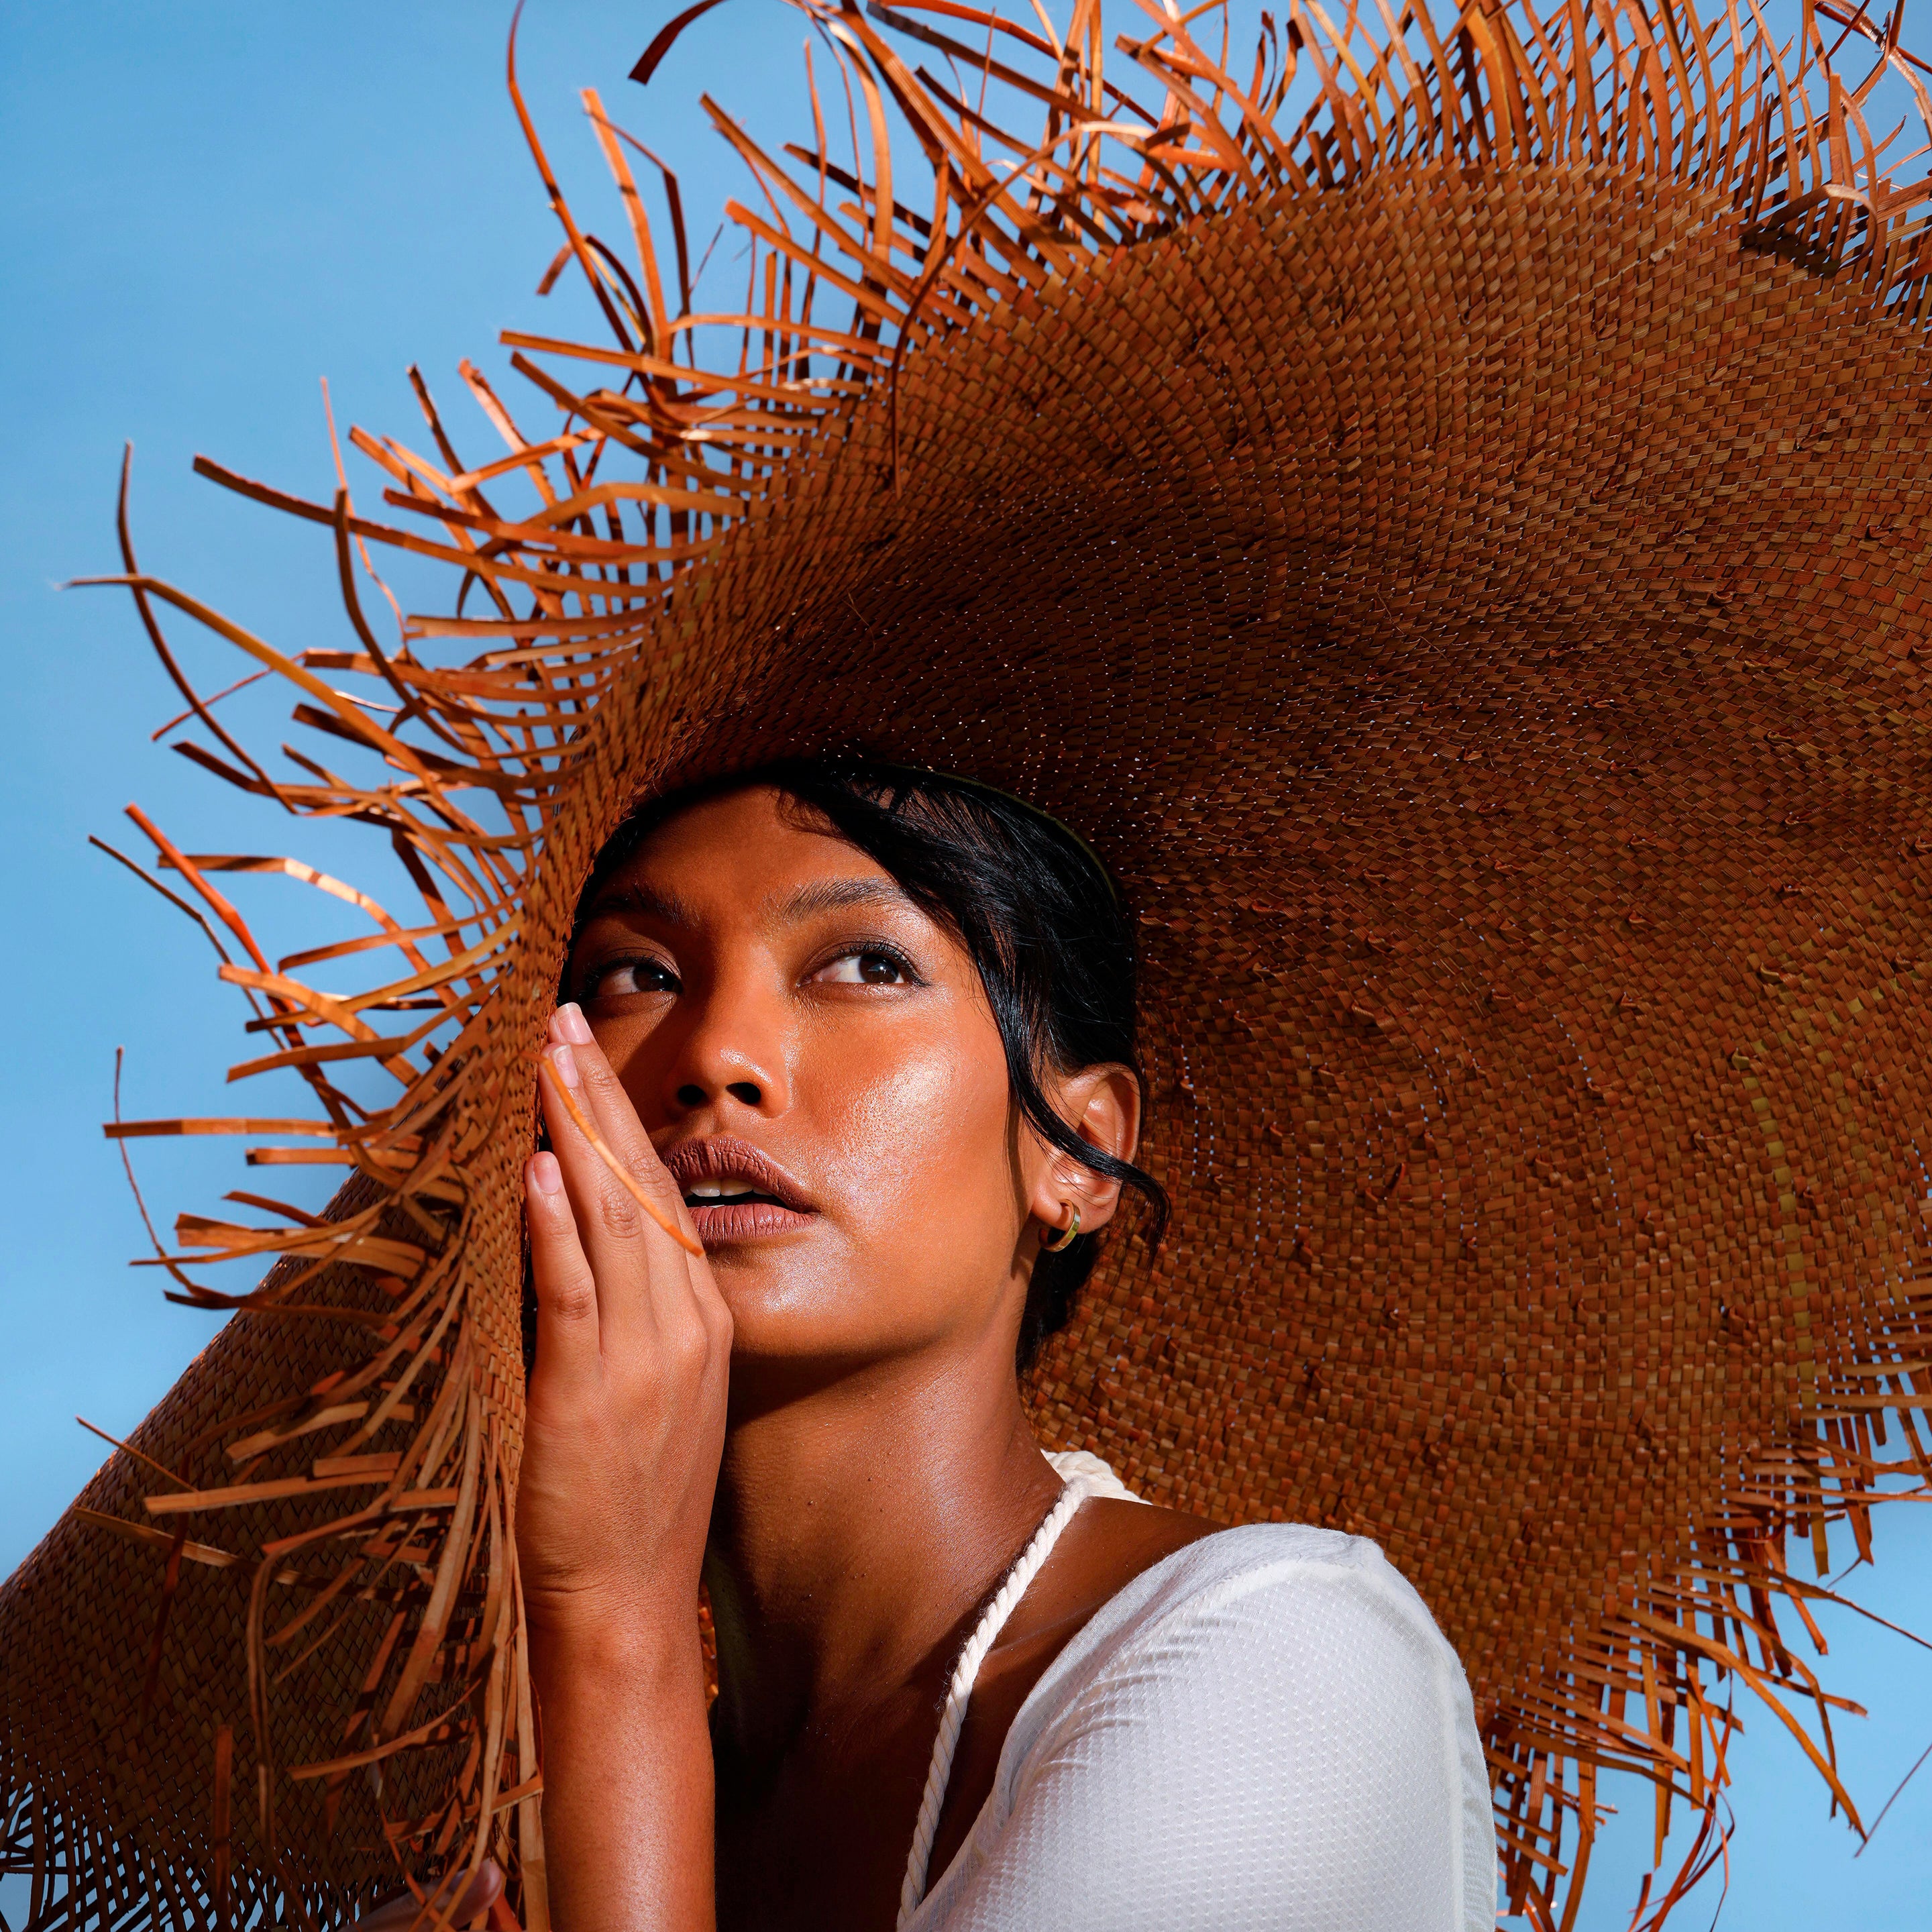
1102	1105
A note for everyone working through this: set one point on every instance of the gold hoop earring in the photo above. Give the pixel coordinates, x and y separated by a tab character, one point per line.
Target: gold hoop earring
1068	1236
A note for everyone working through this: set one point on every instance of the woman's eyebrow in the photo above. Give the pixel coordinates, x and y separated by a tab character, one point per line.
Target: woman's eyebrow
640	902
836	894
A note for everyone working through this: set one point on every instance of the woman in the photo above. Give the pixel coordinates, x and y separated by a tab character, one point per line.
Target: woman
1466	585
870	1036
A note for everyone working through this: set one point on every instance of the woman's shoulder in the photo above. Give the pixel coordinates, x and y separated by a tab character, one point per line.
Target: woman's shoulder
1325	1578
1270	1710
1287	1624
1185	1560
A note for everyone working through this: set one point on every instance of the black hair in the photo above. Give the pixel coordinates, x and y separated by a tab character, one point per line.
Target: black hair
1037	914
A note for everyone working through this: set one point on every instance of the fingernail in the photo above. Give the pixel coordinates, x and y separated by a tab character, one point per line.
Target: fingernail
563	1062
571	1025
546	1175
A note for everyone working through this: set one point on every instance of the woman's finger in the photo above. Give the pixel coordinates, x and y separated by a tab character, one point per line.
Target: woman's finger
598	1111
621	1220
399	1915
615	1119
645	1294
648	1294
627	1205
568	1340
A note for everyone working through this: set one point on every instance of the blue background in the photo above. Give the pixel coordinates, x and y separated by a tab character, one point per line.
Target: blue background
207	208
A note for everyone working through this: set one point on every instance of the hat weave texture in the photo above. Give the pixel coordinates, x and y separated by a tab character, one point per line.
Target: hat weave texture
1458	553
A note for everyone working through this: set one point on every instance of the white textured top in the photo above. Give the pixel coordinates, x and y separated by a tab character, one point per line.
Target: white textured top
1266	1730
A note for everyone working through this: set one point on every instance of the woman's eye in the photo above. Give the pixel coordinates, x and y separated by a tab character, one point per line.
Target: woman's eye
862	969
631	976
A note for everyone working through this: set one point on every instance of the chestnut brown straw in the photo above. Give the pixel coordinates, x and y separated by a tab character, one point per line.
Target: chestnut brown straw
1446	512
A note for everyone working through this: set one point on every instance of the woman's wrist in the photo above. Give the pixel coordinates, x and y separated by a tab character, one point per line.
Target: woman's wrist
649	1635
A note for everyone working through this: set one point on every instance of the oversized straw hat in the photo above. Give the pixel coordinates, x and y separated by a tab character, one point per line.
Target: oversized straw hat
1446	517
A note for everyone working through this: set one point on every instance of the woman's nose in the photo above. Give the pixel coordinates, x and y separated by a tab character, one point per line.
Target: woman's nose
693	1093
733	1052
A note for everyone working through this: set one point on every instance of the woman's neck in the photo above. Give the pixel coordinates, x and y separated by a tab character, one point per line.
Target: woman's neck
856	1526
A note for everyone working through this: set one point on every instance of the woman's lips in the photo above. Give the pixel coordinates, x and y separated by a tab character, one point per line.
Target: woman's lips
751	1219
734	1192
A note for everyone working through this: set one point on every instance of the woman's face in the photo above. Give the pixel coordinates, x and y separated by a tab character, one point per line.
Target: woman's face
815	1061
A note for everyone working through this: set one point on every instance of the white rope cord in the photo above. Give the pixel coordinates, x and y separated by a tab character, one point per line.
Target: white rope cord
959	1694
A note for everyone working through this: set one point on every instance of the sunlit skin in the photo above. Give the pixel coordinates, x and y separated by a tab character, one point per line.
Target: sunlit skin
820	1414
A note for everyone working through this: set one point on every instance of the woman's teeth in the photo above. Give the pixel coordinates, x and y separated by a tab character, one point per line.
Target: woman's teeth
718	1190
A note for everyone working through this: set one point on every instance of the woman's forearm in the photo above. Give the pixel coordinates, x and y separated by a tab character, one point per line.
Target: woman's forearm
628	1778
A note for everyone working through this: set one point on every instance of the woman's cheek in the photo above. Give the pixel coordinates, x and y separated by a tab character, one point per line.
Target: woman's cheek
903	1132
933	1123
923	1176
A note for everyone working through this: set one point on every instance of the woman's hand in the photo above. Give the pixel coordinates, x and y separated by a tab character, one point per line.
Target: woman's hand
407	1913
625	1423
624	1431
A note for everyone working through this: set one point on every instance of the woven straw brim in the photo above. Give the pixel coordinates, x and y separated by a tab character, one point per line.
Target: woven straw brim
1472	602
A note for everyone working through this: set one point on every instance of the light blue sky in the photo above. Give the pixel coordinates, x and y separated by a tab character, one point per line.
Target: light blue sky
209	206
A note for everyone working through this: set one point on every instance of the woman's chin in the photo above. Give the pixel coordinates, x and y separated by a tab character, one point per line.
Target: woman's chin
786	1293
799	1311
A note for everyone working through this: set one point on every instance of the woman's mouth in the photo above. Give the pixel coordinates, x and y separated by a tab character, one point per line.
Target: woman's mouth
734	1192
